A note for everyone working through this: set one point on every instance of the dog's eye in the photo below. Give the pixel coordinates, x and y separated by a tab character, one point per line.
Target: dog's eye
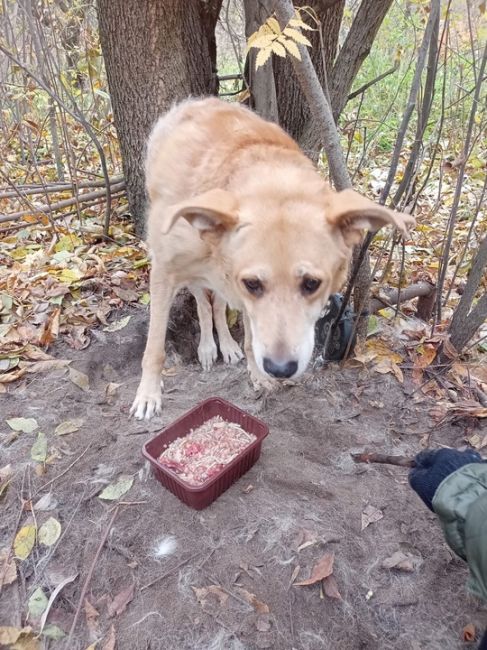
254	286
310	286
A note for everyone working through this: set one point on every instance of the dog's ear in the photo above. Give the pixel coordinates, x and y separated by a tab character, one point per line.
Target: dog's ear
353	213
211	211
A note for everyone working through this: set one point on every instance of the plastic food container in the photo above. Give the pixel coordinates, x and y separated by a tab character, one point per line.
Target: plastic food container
201	496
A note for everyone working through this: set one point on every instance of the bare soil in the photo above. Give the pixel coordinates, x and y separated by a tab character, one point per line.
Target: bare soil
248	539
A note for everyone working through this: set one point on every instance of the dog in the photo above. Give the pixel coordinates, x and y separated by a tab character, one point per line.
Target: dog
236	209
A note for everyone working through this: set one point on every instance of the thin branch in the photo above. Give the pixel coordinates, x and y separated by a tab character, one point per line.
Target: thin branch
371	83
399	461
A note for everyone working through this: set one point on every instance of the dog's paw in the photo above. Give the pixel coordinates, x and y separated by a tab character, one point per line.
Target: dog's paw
146	404
231	351
207	354
262	383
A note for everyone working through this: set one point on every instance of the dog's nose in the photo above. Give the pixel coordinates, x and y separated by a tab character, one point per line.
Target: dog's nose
280	370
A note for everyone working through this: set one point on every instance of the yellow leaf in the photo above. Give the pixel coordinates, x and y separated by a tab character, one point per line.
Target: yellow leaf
297	22
69	276
262	57
24	541
10	635
274	25
278	49
68	243
49	532
296	35
263	41
291	47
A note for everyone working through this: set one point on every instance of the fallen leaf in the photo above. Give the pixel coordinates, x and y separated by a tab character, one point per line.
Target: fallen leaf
24	541
258	605
476	441
47	502
37	603
10	634
49	532
401	561
26	425
52	598
331	588
469	633
117	325
370	515
322	569
111	640
294	574
79	379
117	489
5	476
92	615
69	426
39	448
120	602
202	594
8	572
248	489
53	632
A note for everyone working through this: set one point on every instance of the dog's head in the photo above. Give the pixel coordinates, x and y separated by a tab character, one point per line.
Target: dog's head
283	258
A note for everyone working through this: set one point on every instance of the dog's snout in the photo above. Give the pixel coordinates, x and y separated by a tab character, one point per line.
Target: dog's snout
280	370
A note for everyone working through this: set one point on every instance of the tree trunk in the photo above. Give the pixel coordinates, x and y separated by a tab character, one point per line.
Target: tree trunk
355	49
467	319
156	53
263	98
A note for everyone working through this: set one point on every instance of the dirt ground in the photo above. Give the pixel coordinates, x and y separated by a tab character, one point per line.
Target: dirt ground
305	488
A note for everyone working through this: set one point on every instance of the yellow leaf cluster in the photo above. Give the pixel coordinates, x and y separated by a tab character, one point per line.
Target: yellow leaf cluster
271	39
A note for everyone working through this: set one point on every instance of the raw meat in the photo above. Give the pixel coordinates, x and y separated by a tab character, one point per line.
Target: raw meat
204	451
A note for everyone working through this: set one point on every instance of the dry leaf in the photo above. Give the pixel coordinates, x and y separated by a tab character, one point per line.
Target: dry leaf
294	574
370	515
202	594
49	532
258	605
69	426
47	502
117	325
110	640
79	379
39	448
5	476
322	569
92	615
401	561
26	425
8	572
469	633
24	541
52	598
331	588
120	602
37	603
10	634
117	489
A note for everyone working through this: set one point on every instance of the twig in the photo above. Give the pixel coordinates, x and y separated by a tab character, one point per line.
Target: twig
400	461
51	188
168	573
48	209
367	85
43	487
68	645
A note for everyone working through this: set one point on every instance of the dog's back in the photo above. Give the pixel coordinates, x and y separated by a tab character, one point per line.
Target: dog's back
197	144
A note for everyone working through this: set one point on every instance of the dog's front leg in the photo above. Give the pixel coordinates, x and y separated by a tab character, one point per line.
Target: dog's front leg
260	381
148	400
229	348
207	350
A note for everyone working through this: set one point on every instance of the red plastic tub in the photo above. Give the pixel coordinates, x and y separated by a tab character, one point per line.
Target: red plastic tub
201	496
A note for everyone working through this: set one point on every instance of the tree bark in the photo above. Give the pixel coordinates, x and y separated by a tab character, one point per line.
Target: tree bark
263	97
356	48
156	53
467	320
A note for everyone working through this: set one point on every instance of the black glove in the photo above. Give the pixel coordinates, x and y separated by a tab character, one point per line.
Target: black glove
432	466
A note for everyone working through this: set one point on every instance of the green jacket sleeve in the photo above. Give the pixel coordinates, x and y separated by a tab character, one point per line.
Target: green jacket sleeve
461	505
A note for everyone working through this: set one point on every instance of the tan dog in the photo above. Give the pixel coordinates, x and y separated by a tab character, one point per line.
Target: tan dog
237	209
